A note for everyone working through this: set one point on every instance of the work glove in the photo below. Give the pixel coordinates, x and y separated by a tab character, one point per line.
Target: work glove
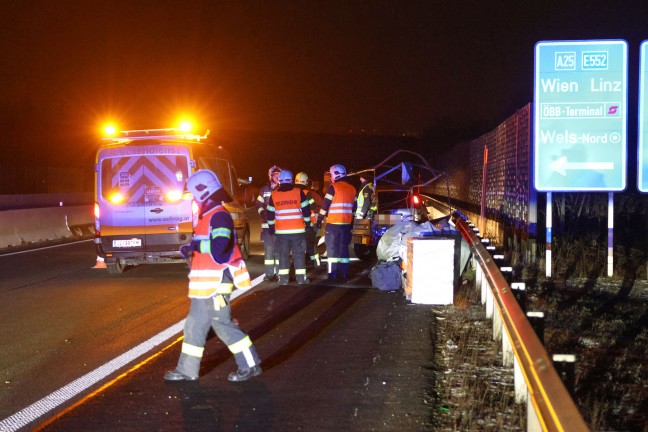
264	216
359	216
186	251
318	226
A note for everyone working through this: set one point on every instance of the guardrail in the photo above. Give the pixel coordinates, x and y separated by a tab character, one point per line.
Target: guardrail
19	228
550	407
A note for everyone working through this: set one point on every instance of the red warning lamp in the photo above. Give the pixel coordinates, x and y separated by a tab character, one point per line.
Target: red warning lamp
416	200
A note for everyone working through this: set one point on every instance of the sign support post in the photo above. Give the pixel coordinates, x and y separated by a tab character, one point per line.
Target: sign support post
610	254
548	237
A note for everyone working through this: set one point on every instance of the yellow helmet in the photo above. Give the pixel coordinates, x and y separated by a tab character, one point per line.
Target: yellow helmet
301	178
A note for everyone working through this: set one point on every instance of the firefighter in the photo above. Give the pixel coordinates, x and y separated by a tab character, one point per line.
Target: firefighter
301	181
289	218
216	267
367	200
270	256
338	208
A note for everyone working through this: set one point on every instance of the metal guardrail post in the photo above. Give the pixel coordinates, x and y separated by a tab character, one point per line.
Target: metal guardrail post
478	274
521	390
565	364
490	302
536	319
508	356
497	326
519	292
484	289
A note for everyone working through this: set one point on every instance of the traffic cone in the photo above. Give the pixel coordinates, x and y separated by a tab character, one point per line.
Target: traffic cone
101	264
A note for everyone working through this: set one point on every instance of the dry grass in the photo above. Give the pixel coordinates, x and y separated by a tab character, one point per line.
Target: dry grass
476	392
605	323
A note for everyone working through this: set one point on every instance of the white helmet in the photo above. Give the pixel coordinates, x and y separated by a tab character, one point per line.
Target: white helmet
337	172
202	184
285	177
301	178
274	169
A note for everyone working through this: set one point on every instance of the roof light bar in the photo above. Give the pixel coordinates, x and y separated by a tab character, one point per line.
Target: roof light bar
147	134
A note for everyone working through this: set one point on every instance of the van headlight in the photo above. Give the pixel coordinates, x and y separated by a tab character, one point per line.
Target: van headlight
116	198
174	195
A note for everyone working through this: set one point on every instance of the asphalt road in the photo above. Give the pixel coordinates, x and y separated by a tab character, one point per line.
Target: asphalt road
335	357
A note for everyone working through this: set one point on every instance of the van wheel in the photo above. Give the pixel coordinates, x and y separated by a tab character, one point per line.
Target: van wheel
115	267
245	244
364	252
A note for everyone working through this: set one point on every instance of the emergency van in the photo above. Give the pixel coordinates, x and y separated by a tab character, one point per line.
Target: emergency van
142	212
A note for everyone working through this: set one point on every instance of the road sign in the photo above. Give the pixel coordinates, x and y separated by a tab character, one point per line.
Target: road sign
580	116
642	159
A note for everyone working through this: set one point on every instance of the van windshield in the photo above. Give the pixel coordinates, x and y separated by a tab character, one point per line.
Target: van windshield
144	178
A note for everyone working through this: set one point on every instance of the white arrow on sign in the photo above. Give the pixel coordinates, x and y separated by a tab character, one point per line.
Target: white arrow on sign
561	165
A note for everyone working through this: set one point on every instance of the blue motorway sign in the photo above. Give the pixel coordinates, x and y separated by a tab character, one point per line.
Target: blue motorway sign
642	177
580	115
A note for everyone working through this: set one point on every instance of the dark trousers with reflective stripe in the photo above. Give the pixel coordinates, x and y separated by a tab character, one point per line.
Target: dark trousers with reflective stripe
270	252
338	239
295	243
214	312
311	246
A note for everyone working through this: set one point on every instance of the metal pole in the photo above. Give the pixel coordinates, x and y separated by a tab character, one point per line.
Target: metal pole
548	238
482	211
610	258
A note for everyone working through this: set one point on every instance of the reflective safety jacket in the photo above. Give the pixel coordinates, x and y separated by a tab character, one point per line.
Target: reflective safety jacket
311	202
339	203
367	203
289	210
206	276
262	203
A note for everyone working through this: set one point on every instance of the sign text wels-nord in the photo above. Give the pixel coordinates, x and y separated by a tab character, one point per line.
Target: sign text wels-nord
580	115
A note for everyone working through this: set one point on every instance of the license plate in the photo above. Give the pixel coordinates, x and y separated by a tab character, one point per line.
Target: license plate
127	243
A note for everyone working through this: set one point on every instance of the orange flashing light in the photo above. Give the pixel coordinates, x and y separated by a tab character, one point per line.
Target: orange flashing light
185	126
110	130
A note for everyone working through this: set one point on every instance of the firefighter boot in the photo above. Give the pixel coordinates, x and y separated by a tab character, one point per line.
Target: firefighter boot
175	375
245	374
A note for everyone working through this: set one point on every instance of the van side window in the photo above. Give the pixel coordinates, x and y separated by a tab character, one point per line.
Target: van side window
222	169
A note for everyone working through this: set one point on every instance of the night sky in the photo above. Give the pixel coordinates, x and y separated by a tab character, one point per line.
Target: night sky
393	68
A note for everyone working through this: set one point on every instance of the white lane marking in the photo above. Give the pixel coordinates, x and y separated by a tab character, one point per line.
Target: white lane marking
65	393
45	247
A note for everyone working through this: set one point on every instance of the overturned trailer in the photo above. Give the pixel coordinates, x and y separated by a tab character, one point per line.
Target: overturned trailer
401	183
